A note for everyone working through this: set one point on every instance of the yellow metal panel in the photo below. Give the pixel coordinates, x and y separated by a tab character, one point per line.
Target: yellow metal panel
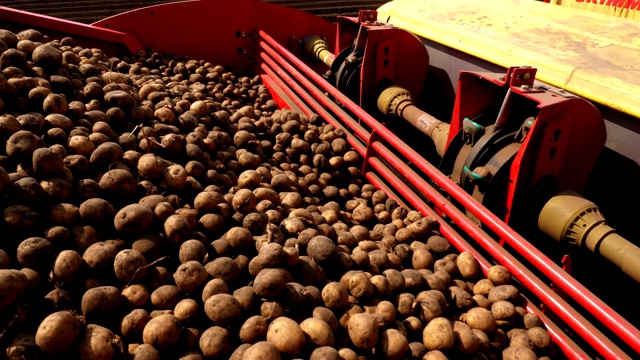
590	54
622	8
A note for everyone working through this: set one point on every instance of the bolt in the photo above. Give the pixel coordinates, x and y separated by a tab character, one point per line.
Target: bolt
525	87
300	41
526	76
561	91
370	16
501	77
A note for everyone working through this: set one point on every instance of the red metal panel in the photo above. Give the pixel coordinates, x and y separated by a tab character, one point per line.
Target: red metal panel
110	41
218	31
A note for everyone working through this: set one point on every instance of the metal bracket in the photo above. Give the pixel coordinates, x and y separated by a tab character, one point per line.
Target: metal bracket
367	16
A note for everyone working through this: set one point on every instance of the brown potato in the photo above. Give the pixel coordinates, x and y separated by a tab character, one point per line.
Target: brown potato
499	275
518	353
97	342
286	335
363	330
161	331
186	311
101	301
136	295
262	350
222	309
57	332
129	265
254	329
479	318
393	344
134	323
165	297
438	334
318	332
190	276
67	266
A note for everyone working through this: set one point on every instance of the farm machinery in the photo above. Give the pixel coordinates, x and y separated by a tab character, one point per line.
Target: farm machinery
501	129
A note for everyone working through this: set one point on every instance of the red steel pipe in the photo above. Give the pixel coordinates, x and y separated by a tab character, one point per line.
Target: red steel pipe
358	130
583	296
287	90
558	305
567	345
357	145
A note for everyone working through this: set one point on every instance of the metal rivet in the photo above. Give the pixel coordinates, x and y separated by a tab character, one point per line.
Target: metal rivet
525	87
526	76
501	77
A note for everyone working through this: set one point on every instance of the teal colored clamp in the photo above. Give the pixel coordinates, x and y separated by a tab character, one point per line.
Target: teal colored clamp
473	175
471	127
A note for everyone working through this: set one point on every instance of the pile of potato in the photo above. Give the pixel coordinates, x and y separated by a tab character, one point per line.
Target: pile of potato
164	208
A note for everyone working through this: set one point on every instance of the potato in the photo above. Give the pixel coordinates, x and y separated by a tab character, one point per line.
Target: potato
499	275
101	301
466	341
393	344
262	350
334	295
518	353
428	306
223	268
67	266
438	334
503	312
99	256
269	283
97	211
532	320
165	297
213	287
20	217
503	292
318	332
186	311
435	355
97	342
133	218
254	329
145	352
192	250
540	337
21	145
57	332
271	310
35	252
190	276
118	183
134	323
176	228
467	265
222	309
363	330
239	238
162	331
479	318
47	163
129	265
136	295
286	335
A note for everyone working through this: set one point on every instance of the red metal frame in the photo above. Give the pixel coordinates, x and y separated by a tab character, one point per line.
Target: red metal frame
564	142
583	296
388	52
84	35
218	30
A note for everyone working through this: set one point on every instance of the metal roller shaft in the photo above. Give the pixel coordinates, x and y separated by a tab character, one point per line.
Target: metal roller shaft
570	217
395	100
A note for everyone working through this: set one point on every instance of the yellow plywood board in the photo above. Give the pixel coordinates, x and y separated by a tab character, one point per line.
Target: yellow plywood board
589	54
